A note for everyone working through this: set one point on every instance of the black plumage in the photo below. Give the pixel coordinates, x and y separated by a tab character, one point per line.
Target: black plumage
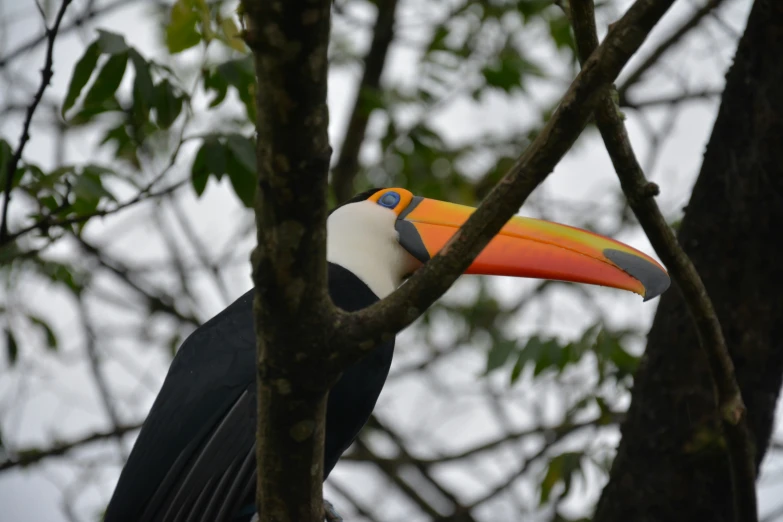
194	459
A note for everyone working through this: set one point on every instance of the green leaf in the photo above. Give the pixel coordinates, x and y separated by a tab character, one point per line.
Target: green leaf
181	32
244	149
561	468
107	82
560	29
88	190
126	147
510	71
51	339
81	75
210	159
240	74
231	36
12	349
213	81
111	43
550	355
143	88
63	274
241	167
531	8
499	354
243	180
516	371
438	42
89	185
168	105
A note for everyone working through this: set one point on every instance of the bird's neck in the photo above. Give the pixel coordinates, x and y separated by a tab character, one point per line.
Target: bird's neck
371	267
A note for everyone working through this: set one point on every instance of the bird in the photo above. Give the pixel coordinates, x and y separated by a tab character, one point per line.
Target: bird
194	458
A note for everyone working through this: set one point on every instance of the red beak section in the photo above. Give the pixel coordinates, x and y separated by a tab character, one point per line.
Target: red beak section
527	247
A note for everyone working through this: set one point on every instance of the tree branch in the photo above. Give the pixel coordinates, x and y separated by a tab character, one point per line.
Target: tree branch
390	470
347	165
28	456
671	100
640	194
76	23
458	508
156	301
102	385
666	45
50	221
46	77
548	433
292	310
364	329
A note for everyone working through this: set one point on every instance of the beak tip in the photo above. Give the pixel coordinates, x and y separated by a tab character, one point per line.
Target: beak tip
654	280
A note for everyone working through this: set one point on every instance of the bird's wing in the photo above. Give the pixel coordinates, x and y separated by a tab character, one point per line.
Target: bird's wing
194	459
220	476
211	381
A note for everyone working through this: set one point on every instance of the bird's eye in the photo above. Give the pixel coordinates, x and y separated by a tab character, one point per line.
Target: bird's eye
389	200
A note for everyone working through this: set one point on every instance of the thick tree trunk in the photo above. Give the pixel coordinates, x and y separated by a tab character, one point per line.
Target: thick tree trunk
672	463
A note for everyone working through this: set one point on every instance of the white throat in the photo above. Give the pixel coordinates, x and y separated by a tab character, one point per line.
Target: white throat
361	238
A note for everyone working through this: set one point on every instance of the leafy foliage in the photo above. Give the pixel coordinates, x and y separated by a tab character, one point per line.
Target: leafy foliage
232	154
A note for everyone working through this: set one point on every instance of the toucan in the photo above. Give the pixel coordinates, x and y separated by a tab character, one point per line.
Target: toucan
194	458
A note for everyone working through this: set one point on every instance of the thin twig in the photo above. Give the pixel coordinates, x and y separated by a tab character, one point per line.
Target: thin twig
666	45
347	165
424	470
76	23
555	432
157	302
390	470
348	495
28	456
97	373
46	77
671	100
640	194
49	221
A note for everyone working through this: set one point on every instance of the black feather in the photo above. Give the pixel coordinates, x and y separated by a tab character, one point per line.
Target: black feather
195	456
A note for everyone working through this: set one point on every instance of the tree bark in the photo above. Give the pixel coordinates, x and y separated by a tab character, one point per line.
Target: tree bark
292	309
672	462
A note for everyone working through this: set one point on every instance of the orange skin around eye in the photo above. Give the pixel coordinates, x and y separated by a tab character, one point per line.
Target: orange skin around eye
405	198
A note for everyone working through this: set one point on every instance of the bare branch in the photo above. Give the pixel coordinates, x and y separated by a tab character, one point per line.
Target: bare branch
156	301
347	165
28	456
50	221
364	329
640	197
666	45
46	77
671	100
390	470
465	515
104	393
553	433
76	23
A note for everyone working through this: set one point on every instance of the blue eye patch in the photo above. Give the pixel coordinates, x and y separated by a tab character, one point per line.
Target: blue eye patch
389	200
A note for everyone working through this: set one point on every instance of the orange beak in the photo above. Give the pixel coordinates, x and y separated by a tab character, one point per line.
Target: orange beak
527	247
